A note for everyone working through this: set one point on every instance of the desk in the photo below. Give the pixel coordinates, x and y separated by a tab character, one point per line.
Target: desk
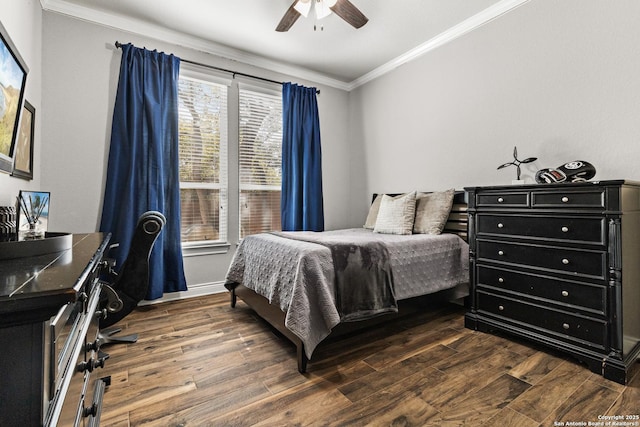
48	328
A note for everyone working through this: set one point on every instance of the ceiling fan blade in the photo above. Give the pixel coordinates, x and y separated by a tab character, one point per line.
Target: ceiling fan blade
347	11
289	18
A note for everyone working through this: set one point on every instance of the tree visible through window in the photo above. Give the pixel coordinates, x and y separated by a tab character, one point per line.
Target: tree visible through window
202	122
260	158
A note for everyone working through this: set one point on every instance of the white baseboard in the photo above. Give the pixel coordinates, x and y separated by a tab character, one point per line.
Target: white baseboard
197	290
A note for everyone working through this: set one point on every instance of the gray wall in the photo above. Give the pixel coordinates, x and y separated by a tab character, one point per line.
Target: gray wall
23	22
558	79
79	88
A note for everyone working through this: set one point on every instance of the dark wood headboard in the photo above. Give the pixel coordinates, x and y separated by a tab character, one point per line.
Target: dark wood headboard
458	220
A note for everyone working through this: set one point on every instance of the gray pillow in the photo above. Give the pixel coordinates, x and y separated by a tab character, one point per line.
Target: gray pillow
396	215
432	211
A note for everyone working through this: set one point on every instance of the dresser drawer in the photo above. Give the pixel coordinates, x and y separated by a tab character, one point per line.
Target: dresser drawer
593	198
574	229
558	322
587	297
570	261
511	199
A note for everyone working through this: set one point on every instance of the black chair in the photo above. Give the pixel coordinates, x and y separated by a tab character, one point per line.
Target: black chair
128	287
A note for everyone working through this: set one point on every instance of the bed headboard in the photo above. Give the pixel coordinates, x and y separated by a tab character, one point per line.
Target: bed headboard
458	219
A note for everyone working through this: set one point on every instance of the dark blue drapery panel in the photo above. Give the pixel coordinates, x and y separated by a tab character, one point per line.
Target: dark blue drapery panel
301	204
143	170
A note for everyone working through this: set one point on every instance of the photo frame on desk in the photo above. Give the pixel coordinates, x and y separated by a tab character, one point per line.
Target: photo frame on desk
35	204
13	78
23	157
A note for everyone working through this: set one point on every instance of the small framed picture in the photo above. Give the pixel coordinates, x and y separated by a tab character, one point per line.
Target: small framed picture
23	158
33	211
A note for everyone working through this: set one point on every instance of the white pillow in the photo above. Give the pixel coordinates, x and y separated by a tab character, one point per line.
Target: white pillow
370	222
396	215
372	216
432	211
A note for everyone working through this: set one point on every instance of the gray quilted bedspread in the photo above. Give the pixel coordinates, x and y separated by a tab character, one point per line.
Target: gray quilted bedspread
299	277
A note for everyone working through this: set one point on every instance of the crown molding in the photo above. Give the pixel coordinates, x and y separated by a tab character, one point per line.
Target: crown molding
135	26
441	39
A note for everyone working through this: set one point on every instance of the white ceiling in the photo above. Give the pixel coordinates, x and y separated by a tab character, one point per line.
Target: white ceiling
339	55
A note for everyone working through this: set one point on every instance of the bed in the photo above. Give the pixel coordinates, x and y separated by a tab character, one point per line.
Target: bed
310	285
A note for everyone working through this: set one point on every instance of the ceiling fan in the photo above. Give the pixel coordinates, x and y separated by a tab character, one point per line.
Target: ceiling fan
343	8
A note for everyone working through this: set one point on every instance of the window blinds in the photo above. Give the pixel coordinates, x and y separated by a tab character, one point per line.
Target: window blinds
260	161
202	131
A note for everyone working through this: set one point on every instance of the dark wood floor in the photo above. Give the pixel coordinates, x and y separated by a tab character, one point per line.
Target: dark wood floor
200	363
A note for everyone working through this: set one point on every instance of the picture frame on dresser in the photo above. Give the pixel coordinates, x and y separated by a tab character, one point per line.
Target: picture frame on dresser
13	79
23	158
36	205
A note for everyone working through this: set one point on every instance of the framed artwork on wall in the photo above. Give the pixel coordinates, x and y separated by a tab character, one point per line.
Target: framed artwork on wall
23	157
13	78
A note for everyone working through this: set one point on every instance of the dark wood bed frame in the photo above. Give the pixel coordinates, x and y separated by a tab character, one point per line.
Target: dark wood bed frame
456	223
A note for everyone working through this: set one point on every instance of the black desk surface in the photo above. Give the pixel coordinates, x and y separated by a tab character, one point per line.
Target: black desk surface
39	285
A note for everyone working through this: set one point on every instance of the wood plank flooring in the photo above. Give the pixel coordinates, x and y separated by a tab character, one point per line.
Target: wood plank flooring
199	362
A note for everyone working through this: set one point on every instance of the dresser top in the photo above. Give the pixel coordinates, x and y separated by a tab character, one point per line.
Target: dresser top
563	185
48	281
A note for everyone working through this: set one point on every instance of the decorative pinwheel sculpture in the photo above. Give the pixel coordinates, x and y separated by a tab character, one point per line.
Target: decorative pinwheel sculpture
517	162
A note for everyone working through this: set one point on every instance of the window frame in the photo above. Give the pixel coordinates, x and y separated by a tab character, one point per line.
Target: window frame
206	247
214	247
265	90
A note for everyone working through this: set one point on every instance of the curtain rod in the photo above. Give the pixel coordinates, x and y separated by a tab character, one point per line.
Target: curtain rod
234	73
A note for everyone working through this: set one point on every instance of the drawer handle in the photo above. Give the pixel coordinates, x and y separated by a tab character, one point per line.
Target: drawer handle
565	261
565	293
500	253
565	199
565	229
500	279
501	307
565	325
500	200
500	225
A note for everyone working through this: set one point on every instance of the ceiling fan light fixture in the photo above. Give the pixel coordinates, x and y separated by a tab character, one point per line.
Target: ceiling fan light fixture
322	9
303	7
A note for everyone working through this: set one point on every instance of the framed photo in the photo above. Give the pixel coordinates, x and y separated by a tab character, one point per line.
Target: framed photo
33	207
23	157
13	78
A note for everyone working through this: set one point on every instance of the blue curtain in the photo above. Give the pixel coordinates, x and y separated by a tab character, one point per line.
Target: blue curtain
143	169
301	205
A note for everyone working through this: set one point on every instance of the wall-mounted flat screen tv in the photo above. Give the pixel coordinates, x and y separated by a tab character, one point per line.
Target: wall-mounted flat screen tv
13	77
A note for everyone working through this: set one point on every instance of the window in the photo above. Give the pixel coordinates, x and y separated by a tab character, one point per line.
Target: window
207	178
202	122
260	161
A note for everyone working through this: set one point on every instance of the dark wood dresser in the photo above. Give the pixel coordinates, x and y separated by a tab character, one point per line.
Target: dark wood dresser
49	352
559	264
